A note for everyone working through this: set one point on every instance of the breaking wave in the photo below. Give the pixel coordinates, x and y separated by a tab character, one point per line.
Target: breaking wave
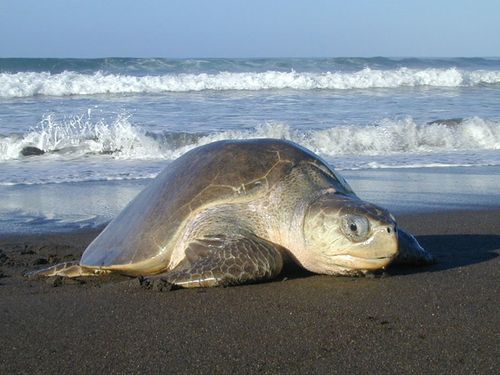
27	84
79	136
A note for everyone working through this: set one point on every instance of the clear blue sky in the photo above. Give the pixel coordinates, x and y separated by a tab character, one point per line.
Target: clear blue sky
248	28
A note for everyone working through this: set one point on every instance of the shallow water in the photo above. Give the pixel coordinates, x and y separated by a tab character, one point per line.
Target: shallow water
69	206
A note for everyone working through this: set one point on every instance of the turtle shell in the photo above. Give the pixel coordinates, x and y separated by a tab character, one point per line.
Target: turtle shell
223	171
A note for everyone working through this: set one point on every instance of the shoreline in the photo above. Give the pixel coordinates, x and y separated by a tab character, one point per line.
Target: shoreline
50	208
442	318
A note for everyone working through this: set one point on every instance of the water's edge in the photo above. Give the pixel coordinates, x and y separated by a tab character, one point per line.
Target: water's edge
57	207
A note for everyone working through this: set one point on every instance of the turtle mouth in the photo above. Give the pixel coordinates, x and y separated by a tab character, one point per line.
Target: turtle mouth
363	263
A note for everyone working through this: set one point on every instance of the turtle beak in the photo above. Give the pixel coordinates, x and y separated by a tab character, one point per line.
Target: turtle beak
373	254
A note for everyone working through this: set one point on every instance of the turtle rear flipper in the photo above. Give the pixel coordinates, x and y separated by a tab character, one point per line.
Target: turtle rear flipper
220	261
411	252
66	269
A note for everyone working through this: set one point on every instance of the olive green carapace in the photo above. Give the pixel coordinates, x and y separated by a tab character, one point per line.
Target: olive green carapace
229	212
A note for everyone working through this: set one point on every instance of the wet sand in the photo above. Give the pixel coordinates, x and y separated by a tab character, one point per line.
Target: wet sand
438	319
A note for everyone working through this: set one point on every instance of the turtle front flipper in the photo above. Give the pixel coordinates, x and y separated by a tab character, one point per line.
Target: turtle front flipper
220	261
66	269
411	252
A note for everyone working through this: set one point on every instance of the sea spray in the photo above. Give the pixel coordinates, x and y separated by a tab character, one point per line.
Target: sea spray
80	135
74	137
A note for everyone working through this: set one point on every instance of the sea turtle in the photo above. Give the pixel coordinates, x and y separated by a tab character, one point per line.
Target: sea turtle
230	212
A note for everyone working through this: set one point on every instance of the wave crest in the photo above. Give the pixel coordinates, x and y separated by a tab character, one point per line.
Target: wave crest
78	136
26	84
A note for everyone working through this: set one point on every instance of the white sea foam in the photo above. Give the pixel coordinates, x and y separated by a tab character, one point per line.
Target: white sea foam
28	84
79	136
407	136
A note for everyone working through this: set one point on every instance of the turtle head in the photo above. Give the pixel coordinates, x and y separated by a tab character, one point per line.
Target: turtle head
345	235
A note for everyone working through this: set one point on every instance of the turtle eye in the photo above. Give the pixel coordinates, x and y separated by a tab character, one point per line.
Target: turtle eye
356	228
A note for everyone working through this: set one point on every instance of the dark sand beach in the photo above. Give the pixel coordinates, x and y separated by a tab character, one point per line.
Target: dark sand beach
438	319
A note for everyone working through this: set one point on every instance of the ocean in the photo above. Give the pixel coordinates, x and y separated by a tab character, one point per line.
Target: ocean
79	138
